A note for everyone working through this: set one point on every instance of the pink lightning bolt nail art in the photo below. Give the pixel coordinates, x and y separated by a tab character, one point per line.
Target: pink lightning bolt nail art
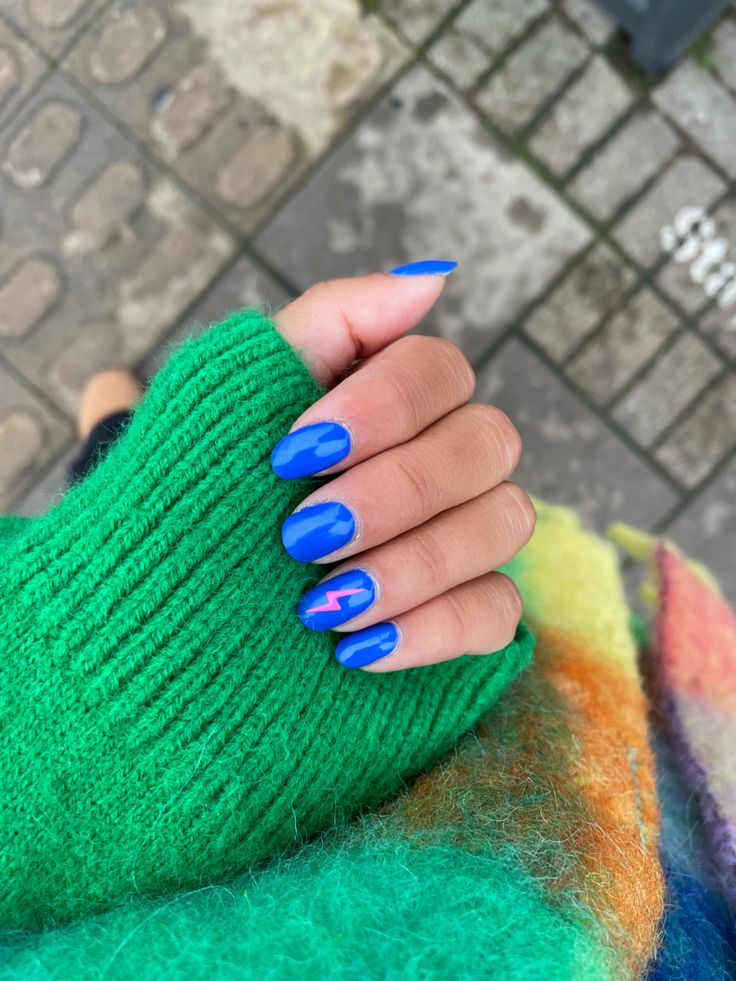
337	600
333	595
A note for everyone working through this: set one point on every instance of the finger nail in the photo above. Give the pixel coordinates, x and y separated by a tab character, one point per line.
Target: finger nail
310	449
317	530
425	267
337	600
366	646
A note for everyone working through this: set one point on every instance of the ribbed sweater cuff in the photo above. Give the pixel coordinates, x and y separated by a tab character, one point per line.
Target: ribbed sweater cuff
170	492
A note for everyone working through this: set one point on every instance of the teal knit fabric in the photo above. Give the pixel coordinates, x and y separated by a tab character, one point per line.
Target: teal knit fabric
376	912
165	719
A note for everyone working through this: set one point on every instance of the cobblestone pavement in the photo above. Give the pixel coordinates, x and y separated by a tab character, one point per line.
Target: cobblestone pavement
165	161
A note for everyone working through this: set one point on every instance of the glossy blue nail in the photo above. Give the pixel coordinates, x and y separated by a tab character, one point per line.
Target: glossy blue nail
310	449
337	600
366	646
317	530
425	267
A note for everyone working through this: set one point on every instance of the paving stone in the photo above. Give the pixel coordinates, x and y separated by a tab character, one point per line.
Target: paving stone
706	530
531	75
581	116
126	40
720	325
30	435
611	358
52	24
243	285
692	450
597	25
676	281
671	383
703	108
420	177
256	168
27	295
625	163
705	266
417	19
723	51
115	250
688	182
570	456
106	207
189	109
461	57
209	90
54	14
20	70
479	34
39	147
585	296
496	23
50	487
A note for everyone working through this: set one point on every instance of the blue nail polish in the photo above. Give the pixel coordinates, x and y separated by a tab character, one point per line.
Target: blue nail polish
317	530
366	646
310	449
425	267
337	600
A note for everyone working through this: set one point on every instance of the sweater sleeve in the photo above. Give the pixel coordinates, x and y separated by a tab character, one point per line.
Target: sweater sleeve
165	720
11	525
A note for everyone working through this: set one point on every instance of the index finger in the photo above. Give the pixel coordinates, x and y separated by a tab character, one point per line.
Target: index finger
396	394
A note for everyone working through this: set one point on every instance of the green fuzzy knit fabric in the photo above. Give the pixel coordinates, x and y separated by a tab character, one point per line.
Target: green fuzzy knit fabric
390	912
165	720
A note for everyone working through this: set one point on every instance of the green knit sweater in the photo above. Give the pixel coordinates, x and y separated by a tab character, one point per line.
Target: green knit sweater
165	719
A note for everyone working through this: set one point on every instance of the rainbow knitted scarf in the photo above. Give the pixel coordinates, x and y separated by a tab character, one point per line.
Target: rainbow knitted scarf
533	851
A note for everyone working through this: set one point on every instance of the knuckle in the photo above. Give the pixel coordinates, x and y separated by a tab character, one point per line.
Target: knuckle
522	514
455	364
497	434
431	556
462	370
318	291
419	485
509	439
411	398
458	616
410	345
417	399
484	620
507	606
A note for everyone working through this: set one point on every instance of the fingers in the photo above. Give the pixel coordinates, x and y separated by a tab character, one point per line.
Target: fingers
420	511
456	459
478	617
454	547
340	320
396	394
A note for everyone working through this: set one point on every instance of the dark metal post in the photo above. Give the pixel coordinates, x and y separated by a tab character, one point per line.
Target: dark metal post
661	30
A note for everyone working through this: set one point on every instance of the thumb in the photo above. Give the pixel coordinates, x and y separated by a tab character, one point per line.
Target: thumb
341	320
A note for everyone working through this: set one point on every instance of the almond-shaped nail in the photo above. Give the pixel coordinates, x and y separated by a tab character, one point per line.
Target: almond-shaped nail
356	650
310	449
337	600
317	530
425	267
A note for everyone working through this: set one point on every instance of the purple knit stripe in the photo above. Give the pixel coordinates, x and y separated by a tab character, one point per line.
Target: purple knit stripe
721	832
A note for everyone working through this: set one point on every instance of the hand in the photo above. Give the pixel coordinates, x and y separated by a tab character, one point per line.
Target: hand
422	510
